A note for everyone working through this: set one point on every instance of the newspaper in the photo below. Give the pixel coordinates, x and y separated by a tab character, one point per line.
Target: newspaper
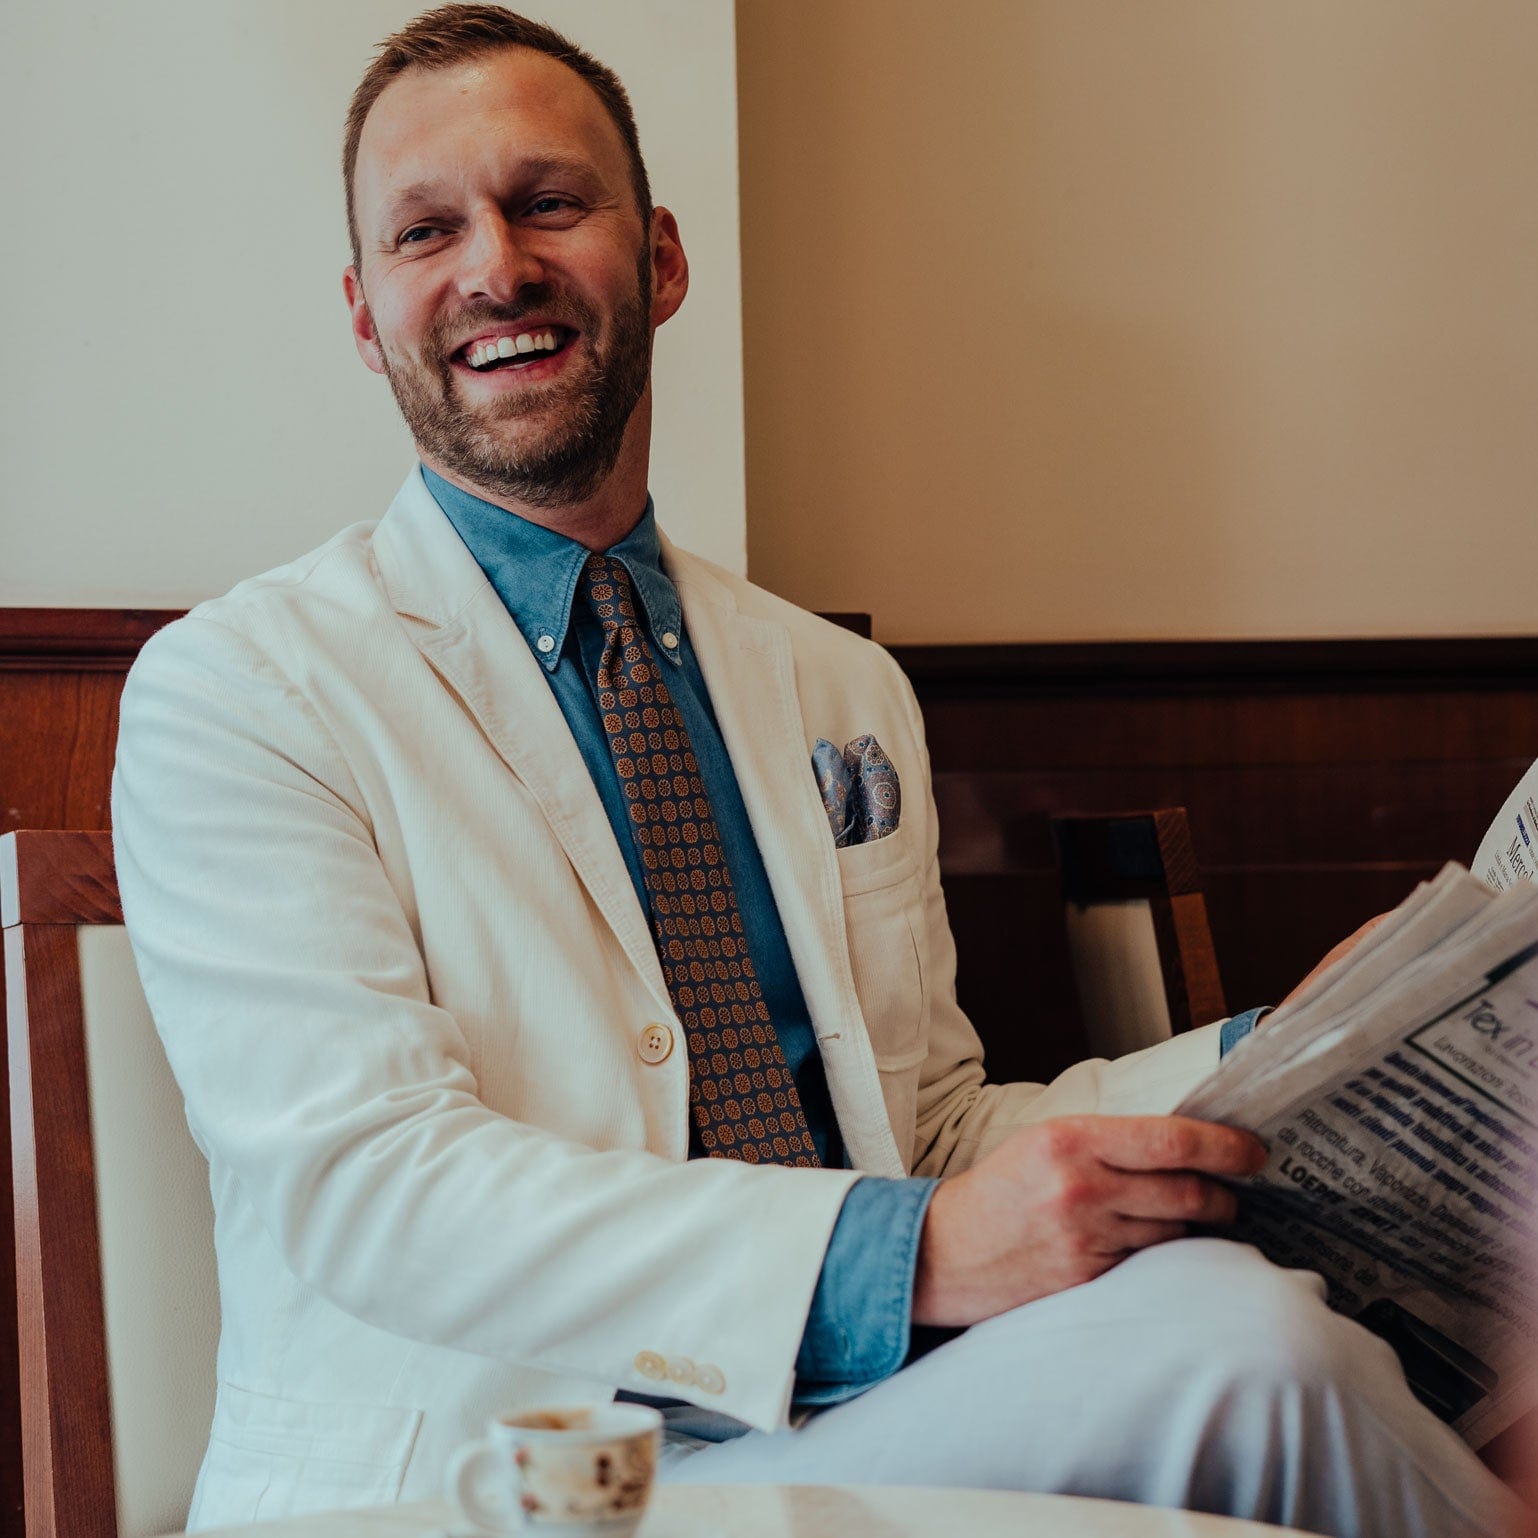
1398	1095
1508	854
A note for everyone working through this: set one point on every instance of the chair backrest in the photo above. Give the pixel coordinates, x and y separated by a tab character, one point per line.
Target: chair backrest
117	1295
1138	936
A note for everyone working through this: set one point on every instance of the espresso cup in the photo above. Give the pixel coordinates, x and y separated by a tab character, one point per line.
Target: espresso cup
584	1471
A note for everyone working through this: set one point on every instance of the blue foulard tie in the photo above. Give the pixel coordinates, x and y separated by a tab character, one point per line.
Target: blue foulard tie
741	1095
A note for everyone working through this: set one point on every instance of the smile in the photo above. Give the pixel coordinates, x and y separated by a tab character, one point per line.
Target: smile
511	350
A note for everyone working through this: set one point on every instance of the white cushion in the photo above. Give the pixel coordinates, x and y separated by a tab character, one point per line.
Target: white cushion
157	1246
1115	957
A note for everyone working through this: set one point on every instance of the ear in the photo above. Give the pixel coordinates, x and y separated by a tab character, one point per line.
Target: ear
670	267
363	335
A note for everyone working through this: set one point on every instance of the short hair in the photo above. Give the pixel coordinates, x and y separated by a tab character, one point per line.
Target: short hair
452	34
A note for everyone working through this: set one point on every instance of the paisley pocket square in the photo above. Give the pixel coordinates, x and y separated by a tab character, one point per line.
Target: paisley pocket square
860	790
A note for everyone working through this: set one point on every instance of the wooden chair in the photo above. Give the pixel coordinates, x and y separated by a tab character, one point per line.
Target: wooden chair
1138	938
116	1287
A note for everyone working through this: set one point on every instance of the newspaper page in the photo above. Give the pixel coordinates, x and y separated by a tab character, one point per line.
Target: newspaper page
1508	854
1399	1098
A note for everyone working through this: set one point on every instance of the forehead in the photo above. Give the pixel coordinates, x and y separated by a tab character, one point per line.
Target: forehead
464	123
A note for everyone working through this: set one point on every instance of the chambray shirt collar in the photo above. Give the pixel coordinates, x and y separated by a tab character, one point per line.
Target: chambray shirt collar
535	570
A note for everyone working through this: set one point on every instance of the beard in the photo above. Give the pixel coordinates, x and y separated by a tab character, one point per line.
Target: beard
584	415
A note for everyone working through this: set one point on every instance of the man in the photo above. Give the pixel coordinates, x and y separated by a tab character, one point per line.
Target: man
542	1040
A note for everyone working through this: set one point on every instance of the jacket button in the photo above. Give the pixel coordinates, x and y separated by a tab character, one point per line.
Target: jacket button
710	1378
650	1365
654	1043
681	1370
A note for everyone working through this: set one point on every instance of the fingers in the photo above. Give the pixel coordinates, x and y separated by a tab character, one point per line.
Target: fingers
1137	1143
1176	1199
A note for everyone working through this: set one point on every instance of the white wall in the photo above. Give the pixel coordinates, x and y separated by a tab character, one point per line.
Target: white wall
180	403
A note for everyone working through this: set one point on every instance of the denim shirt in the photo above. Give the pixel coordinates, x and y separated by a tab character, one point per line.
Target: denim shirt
858	1328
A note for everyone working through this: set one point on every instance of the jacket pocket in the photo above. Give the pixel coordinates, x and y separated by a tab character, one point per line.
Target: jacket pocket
882	911
271	1457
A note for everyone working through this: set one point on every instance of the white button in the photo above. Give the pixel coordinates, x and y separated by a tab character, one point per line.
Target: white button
681	1370
710	1378
546	643
654	1043
669	640
650	1365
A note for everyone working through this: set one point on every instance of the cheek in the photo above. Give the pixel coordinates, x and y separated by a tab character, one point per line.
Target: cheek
402	313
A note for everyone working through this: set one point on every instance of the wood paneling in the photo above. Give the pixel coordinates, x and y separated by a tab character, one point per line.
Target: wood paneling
61	672
1322	781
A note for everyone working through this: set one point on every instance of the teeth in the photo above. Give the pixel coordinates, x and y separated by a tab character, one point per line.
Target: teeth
485	353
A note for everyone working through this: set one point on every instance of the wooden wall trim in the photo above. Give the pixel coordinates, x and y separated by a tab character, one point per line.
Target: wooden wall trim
1121	668
111	638
98	639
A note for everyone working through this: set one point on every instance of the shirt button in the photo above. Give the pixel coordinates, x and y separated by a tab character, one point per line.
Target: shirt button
654	1043
650	1365
546	643
669	640
710	1378
681	1370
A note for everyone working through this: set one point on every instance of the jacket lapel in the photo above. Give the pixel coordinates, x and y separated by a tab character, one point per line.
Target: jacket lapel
749	668
460	626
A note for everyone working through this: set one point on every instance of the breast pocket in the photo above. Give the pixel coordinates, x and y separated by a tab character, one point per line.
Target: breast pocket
883	900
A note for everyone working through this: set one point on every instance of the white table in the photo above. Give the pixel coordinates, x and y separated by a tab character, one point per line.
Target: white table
812	1511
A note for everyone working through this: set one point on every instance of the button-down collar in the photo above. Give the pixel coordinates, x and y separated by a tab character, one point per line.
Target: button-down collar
535	570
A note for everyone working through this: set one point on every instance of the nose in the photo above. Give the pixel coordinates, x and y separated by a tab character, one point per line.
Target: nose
497	261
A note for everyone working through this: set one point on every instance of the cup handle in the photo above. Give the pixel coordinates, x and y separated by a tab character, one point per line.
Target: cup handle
467	1480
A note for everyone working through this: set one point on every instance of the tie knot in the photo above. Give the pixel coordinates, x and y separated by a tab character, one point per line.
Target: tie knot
609	593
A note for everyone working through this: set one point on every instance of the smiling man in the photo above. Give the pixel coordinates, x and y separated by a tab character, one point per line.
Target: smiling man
564	1015
518	350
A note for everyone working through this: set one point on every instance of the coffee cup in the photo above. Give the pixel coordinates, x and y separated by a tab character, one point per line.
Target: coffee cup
580	1471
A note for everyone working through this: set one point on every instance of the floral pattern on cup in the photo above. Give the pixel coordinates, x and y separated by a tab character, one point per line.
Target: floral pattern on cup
567	1472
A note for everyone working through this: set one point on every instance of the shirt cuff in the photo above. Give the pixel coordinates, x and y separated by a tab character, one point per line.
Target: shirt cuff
857	1331
1237	1027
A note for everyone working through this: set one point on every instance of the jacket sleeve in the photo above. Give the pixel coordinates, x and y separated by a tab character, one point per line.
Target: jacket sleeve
339	1103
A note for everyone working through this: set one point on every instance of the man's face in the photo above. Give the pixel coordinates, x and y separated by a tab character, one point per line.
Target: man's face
506	285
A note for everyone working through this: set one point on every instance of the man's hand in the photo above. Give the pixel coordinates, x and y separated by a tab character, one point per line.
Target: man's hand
1057	1204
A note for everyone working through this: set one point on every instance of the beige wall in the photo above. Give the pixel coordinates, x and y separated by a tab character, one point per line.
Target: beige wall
1073	319
180	403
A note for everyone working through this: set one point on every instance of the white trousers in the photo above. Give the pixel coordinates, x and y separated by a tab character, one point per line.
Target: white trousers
1195	1374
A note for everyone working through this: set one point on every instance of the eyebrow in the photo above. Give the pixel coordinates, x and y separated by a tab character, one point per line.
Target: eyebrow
533	170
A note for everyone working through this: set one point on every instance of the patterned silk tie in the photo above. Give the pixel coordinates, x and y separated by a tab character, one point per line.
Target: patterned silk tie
741	1095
